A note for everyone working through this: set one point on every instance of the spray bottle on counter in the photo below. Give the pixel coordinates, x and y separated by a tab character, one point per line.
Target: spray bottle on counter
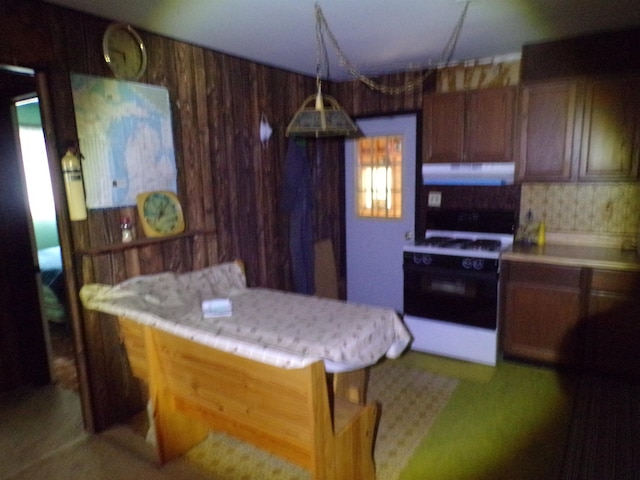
73	184
525	234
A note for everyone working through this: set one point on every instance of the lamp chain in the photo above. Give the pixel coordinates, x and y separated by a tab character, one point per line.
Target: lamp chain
322	56
445	57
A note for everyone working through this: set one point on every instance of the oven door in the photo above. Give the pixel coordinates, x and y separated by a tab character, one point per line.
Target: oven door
460	296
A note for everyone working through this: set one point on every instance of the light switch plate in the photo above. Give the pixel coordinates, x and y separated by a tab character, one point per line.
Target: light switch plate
434	199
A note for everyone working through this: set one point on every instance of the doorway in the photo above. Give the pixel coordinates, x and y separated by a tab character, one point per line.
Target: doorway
380	192
25	340
46	241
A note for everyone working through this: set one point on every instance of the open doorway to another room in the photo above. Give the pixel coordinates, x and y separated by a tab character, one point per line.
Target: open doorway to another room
46	243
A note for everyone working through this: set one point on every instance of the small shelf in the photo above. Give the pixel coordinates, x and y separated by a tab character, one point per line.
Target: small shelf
139	242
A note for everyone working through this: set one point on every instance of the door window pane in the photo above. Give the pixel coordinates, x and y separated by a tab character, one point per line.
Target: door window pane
379	177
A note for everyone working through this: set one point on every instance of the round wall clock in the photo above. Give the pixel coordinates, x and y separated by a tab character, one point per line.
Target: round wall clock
160	213
124	51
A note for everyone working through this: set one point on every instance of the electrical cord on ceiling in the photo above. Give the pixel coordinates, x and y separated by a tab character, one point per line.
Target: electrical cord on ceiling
445	57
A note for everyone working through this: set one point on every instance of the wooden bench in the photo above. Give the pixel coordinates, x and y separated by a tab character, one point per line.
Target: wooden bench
291	413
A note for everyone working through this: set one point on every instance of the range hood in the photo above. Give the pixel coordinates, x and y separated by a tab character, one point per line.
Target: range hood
501	173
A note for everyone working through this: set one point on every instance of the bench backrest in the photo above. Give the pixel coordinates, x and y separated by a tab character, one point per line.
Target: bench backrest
283	411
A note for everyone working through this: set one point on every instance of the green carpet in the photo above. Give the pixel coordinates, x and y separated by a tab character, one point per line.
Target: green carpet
442	419
508	422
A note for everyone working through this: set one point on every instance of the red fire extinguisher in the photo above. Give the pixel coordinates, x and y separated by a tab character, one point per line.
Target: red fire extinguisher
73	184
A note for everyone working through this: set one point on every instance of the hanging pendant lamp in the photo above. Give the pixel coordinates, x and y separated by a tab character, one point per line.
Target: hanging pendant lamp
321	115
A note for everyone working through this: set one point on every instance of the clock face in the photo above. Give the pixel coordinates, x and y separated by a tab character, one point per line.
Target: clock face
161	214
124	52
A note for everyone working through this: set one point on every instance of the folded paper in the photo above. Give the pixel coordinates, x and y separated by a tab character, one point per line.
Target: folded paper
216	307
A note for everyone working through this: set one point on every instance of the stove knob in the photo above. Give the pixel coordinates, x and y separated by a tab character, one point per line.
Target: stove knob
467	263
422	258
478	263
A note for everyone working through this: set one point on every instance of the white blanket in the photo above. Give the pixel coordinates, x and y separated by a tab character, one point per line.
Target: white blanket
284	329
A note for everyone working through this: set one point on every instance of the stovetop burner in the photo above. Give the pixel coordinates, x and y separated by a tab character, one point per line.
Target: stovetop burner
489	245
435	241
466	233
485	244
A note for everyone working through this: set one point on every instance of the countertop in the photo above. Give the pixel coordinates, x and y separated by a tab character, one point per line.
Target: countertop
575	255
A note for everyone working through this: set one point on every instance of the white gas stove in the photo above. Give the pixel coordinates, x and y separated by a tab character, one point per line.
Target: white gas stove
451	284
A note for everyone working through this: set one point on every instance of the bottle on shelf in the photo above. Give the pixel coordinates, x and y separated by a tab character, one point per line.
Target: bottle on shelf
127	230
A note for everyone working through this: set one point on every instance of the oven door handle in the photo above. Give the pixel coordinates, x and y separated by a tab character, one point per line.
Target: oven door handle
438	272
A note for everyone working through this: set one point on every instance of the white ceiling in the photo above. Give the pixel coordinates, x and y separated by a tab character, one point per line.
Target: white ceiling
378	36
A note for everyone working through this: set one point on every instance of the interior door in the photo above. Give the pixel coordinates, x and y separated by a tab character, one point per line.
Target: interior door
374	244
23	349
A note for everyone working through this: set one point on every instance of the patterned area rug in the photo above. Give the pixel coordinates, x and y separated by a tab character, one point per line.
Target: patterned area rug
410	401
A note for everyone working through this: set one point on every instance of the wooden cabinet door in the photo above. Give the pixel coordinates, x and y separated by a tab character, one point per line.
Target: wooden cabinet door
610	134
489	125
612	326
546	130
443	129
542	306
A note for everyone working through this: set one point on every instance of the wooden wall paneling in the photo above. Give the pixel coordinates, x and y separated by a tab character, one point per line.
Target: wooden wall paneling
205	247
99	382
82	36
272	163
226	180
242	186
267	182
26	40
99	226
231	157
177	255
161	69
205	219
259	209
132	262
151	260
188	103
273	227
102	384
215	115
264	231
254	206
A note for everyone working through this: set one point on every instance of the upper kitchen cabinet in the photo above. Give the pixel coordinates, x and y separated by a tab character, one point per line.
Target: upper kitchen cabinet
444	127
611	130
546	131
579	130
474	126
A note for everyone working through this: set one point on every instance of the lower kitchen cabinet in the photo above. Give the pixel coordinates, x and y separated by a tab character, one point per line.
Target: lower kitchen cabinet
541	307
612	325
571	316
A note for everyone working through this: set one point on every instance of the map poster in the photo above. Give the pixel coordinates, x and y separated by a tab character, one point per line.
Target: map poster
126	139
